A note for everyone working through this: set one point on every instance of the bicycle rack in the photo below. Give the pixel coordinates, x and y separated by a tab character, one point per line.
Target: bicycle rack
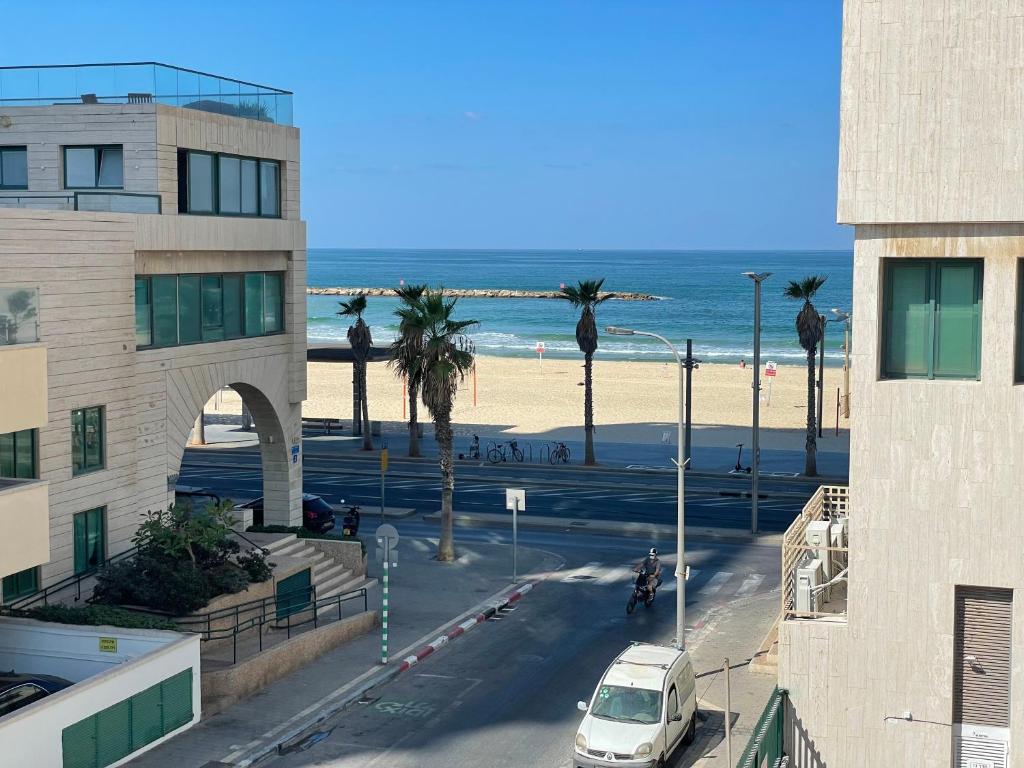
545	458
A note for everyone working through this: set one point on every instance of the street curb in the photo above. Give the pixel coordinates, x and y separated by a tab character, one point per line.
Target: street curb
482	612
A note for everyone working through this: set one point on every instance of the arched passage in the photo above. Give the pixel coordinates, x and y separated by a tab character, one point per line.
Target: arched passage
278	425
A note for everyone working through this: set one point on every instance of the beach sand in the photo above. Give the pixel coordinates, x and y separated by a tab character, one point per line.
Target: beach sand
634	402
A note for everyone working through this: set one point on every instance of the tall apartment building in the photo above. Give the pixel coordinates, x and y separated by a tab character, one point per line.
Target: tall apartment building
151	252
924	668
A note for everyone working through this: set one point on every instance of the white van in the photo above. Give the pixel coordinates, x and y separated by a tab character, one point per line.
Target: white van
643	708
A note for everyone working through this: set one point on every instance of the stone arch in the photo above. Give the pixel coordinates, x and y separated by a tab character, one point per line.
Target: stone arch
262	384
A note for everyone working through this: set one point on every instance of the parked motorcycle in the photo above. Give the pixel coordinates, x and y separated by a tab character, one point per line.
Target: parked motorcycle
350	522
640	593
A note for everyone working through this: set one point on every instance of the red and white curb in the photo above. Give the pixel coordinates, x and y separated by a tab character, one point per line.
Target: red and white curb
468	624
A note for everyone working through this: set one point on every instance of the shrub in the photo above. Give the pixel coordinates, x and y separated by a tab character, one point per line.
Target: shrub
99	615
254	563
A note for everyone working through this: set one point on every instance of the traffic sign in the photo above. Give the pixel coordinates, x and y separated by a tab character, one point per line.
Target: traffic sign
541	347
387	534
515	494
770	368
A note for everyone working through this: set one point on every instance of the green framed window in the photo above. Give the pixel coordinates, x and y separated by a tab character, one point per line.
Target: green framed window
143	312
13	168
932	318
165	310
234	300
20	584
1019	367
273	295
87	450
94	167
254	318
129	725
228	185
90	539
18	455
213	307
190	322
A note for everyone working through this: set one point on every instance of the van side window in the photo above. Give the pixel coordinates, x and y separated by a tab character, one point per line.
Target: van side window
673	702
685	680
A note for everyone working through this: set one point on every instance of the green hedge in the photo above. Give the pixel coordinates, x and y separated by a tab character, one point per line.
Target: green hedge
99	615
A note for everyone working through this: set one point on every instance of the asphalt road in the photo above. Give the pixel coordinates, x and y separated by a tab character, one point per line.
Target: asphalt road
505	695
604	494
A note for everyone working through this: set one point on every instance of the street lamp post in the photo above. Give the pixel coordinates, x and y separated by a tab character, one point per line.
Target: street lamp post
758	278
844	318
681	462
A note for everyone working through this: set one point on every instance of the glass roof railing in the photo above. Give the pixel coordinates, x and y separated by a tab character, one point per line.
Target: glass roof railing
142	83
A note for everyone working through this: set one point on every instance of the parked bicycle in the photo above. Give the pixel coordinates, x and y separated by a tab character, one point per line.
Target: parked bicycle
560	453
499	452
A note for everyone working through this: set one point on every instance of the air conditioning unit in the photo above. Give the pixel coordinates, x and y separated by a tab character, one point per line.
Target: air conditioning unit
819	535
807	578
839	534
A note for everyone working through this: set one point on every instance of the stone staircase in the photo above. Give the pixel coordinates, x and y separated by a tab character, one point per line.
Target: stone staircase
329	577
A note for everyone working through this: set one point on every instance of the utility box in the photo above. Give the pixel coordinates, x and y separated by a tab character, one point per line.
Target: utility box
808	577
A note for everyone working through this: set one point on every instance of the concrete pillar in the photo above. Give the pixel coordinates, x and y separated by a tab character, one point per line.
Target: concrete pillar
198	436
280	438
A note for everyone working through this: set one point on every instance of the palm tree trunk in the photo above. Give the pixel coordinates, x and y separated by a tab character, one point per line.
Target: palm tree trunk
443	435
588	409
811	464
367	436
414	438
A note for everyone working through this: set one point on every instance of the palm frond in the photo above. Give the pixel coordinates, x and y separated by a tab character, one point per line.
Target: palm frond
354	307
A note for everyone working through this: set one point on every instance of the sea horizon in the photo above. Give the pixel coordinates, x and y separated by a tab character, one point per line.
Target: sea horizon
702	294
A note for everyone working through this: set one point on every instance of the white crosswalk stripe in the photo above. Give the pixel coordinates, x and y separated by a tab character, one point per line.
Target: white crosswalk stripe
615	575
750	584
716	582
669	584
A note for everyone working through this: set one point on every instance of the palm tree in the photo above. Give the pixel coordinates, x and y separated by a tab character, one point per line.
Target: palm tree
406	352
361	342
587	296
446	358
809	328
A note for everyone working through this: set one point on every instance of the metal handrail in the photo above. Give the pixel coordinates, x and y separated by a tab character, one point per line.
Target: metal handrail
249	541
258	614
766	740
75	579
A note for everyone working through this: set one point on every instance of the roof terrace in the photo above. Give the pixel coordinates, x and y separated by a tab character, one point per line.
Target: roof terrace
142	83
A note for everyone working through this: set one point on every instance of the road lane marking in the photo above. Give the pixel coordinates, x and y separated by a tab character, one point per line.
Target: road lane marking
581	574
716	582
750	584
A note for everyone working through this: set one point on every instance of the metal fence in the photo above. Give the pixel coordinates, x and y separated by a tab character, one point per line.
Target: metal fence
765	748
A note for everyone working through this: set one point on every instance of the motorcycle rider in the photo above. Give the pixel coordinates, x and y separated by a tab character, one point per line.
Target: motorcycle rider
650	569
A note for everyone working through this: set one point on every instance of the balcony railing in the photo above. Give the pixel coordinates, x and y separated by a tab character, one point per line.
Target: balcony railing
96	202
816	556
143	83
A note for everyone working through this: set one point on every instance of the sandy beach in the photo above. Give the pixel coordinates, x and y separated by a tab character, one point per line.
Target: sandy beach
634	402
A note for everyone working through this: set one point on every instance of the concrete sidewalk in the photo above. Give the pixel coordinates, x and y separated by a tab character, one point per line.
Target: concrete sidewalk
731	631
426	597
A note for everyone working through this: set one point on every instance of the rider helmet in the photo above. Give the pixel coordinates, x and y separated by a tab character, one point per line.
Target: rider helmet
653	552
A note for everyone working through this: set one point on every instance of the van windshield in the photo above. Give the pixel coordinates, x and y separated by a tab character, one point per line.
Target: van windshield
627	705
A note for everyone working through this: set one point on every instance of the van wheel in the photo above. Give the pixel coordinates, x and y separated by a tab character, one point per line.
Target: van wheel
691	729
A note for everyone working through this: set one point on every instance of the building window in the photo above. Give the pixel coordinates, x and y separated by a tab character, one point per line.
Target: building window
186	309
90	540
87	440
93	167
18	455
20	584
13	168
228	185
932	319
19	315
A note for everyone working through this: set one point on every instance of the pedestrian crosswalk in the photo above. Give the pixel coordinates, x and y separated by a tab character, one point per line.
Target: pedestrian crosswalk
705	583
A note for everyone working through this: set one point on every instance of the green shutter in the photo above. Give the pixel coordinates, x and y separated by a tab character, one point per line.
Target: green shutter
77	441
147	716
909	314
114	733
957	320
189	317
293	594
177	700
81	552
20	584
78	743
165	310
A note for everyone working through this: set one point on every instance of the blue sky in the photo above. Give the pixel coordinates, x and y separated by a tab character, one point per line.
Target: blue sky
528	124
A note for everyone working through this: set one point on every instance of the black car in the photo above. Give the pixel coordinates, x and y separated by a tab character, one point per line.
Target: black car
17	691
317	514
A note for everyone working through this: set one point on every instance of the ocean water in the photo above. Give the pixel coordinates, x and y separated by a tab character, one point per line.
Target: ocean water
703	297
